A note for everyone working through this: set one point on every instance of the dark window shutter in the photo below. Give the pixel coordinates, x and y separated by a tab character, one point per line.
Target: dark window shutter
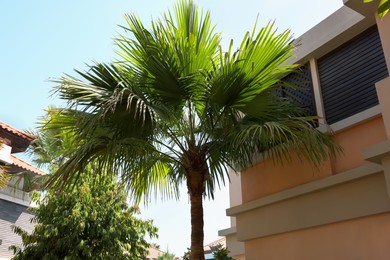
298	87
348	76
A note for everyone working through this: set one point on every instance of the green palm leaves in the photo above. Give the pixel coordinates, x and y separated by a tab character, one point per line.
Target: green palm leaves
174	92
176	108
4	177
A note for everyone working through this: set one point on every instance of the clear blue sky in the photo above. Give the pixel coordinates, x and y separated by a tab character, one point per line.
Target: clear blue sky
41	40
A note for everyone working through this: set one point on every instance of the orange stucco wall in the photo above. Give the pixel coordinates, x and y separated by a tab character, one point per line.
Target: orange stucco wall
268	177
358	238
363	238
354	140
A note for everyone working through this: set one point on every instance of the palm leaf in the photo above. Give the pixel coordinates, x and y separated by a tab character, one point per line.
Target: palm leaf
176	108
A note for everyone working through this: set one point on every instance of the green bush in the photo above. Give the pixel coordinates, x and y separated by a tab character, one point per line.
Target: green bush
87	223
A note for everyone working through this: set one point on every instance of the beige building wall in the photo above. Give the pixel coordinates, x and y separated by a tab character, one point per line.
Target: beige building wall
236	248
383	87
340	210
235	193
362	238
268	177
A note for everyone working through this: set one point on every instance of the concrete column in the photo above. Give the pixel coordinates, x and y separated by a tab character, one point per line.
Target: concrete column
386	171
383	86
384	32
234	193
317	91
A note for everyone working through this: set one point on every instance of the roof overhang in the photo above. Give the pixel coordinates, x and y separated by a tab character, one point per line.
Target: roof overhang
338	28
18	140
18	165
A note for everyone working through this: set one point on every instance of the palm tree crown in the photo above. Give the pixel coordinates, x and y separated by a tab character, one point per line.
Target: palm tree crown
175	108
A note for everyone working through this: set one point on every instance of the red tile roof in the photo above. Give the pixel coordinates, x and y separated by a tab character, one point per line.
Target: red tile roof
19	163
221	241
16	131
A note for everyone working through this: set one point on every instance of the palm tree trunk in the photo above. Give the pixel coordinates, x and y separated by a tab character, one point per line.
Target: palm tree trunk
195	170
197	234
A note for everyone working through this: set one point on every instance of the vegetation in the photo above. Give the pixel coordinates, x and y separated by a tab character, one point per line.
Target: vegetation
85	224
383	7
89	222
4	177
174	108
50	148
187	254
221	253
166	256
155	245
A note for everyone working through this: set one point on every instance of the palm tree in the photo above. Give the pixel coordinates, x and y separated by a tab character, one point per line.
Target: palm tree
48	151
174	108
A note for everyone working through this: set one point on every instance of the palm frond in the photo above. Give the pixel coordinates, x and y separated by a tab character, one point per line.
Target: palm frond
174	95
255	67
4	177
173	53
279	139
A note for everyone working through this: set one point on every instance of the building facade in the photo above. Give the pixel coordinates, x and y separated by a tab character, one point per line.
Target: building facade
212	247
14	198
340	210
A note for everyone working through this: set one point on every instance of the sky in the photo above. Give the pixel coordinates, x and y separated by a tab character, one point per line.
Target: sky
41	40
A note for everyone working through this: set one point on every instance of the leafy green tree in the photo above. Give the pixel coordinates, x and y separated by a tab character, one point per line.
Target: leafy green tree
88	223
96	219
174	108
221	253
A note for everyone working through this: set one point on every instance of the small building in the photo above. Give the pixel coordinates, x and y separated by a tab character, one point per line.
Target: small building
154	253
340	210
14	198
210	248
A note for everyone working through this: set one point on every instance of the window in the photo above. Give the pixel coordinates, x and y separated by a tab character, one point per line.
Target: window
348	76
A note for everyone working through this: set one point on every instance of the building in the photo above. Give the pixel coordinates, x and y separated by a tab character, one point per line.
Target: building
154	253
342	209
210	248
14	198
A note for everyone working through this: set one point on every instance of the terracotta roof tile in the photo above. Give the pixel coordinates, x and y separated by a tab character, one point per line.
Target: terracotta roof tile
25	166
221	241
16	131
